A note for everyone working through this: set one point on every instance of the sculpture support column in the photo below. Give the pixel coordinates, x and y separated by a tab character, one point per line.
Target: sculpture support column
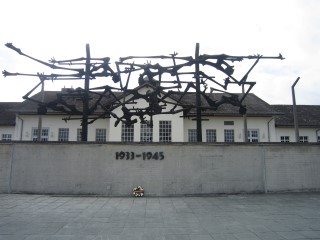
198	96
84	133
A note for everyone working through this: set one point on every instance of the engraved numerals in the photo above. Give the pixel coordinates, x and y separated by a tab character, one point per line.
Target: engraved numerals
144	155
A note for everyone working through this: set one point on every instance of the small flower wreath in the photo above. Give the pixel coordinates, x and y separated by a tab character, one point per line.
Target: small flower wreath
138	191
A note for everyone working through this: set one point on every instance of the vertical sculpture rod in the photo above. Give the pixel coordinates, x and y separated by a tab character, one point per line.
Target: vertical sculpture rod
40	116
198	95
295	117
245	122
84	134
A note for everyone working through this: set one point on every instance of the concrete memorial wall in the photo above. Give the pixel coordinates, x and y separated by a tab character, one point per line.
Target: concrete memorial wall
114	169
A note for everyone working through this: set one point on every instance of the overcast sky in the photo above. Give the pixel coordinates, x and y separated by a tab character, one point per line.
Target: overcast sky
61	29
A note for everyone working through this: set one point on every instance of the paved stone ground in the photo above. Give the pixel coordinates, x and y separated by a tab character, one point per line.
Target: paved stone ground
225	217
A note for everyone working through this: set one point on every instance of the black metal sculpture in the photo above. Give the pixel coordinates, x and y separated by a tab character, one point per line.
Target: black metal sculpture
164	77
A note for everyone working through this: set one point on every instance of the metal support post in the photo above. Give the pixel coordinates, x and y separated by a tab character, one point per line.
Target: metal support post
245	122
198	95
40	116
295	117
84	134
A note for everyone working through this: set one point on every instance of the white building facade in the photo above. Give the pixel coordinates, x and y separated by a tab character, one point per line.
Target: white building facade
165	129
224	125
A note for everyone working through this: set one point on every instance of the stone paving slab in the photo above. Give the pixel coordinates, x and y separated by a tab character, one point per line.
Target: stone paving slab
283	216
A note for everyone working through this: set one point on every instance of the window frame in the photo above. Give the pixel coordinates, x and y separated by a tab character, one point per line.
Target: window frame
79	134
250	137
228	123
165	131
127	133
284	139
229	135
6	137
192	135
63	134
211	134
146	133
44	136
303	139
101	135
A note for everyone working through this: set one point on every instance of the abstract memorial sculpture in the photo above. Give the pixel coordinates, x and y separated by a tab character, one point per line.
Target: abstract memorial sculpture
171	77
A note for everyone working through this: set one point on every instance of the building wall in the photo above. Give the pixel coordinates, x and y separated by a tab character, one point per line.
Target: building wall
176	121
312	133
180	126
7	130
114	169
25	124
264	125
177	128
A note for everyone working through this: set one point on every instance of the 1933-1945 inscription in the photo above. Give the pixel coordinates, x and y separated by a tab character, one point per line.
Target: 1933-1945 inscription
144	155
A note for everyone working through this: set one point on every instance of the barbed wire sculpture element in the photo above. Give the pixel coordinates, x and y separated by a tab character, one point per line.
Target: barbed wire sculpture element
171	78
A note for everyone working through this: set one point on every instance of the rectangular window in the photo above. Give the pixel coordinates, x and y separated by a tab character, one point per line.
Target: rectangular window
6	137
165	131
284	139
229	135
101	135
127	133
230	123
253	135
211	135
63	134
44	134
192	135
146	133
303	139
79	132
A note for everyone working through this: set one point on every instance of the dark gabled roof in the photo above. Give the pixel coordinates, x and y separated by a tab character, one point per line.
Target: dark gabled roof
7	113
308	116
73	100
255	106
30	107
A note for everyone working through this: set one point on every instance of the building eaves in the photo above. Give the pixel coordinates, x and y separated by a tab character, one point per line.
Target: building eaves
255	106
8	113
308	116
71	101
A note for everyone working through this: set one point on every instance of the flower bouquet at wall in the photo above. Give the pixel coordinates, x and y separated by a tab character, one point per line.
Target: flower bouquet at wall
138	191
